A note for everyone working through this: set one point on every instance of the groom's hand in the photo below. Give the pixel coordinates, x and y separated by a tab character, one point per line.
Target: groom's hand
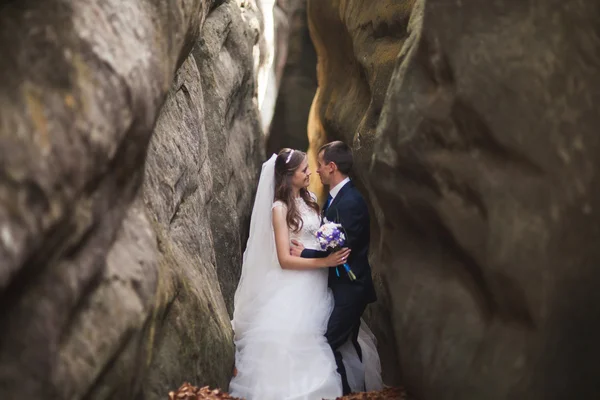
296	248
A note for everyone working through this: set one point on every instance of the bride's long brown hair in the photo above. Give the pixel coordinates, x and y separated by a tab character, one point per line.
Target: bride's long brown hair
286	164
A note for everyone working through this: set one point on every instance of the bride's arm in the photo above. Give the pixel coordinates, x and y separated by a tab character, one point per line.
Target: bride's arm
282	243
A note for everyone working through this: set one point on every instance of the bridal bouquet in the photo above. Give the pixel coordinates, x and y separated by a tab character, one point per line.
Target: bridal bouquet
331	236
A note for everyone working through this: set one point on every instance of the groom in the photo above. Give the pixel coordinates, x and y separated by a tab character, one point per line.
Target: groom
346	206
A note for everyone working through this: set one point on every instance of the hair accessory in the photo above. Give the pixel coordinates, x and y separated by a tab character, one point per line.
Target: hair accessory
289	156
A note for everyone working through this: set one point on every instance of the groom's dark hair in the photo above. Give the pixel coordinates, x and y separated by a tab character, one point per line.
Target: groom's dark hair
339	153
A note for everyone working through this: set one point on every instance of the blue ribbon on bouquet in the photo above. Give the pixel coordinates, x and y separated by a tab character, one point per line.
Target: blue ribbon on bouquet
348	271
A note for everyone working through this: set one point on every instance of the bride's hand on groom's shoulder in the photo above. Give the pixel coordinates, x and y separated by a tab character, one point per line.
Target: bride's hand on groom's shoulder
296	248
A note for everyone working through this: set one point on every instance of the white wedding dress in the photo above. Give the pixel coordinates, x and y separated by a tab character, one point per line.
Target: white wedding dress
280	319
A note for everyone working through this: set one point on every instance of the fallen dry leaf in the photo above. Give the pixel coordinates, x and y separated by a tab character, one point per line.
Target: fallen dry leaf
189	392
394	393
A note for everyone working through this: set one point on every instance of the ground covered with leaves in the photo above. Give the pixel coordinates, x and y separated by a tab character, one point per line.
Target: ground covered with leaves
189	392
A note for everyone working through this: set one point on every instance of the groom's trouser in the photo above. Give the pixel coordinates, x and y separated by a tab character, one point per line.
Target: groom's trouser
344	324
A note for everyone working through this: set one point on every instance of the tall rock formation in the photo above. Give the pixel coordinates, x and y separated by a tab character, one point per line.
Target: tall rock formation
298	85
120	248
475	131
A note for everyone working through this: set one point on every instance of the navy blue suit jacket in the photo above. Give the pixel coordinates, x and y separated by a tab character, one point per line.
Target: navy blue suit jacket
350	210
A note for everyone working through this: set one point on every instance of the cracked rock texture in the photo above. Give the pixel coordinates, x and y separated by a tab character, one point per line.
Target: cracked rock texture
475	130
130	143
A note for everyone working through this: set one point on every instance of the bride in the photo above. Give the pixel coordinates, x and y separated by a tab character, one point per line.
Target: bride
282	303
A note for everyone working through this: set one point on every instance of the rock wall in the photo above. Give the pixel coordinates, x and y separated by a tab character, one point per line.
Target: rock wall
119	247
298	86
202	165
270	54
474	126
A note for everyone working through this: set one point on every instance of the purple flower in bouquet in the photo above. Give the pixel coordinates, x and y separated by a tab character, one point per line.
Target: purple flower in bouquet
331	236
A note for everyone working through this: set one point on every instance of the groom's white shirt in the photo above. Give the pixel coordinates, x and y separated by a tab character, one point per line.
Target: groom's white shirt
336	189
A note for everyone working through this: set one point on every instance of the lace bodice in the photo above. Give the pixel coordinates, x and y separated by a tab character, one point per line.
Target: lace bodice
311	223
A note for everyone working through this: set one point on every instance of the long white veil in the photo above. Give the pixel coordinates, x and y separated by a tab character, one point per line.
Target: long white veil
260	261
